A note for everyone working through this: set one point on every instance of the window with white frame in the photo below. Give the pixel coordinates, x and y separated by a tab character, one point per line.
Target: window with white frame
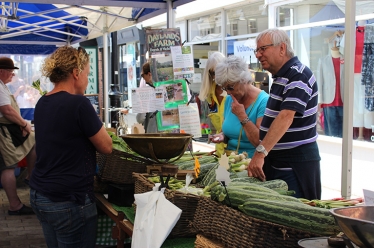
321	47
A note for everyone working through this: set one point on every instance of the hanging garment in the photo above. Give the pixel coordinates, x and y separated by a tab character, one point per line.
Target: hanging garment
368	67
359	116
326	81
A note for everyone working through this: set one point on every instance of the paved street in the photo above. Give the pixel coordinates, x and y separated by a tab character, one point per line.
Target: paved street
19	231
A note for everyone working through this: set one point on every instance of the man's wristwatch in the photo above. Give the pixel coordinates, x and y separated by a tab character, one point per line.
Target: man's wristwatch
261	149
243	122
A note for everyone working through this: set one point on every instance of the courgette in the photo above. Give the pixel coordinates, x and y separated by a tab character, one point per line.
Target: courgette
274	184
251	187
242	174
237	196
292	214
246	179
210	176
204	169
190	164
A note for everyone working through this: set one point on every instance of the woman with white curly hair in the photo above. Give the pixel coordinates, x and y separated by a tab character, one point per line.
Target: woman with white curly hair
244	107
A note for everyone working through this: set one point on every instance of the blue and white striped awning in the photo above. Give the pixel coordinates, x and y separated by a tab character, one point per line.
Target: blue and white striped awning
39	26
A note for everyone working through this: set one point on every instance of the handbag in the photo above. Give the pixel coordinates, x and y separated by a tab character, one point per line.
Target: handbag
15	133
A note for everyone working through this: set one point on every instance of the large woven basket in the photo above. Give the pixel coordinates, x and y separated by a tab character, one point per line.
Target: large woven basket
99	186
233	228
118	167
186	202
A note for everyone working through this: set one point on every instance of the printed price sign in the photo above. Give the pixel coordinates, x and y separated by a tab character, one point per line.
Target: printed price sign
369	197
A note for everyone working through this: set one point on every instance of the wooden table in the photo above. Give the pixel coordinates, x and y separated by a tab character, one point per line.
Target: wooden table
123	228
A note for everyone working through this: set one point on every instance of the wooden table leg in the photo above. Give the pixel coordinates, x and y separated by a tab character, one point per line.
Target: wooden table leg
123	228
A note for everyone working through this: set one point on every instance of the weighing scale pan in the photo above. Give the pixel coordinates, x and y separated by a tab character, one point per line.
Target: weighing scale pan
160	147
357	223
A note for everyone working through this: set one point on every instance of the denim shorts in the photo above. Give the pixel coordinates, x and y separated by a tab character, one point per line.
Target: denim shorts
66	224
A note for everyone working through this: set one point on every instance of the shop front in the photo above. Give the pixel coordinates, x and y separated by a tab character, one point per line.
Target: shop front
327	36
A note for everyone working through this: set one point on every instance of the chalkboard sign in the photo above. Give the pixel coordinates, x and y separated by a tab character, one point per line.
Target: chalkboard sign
94	99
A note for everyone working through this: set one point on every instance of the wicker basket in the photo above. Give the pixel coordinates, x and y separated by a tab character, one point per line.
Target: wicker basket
203	242
118	167
99	186
186	202
235	229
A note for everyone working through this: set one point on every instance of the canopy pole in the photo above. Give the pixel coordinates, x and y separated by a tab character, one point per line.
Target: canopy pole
106	78
170	14
350	34
223	32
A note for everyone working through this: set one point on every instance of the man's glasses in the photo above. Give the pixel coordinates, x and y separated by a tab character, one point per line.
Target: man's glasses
230	87
262	49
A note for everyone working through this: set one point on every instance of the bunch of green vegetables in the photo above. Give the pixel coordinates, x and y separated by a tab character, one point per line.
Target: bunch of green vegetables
333	203
187	160
173	184
239	162
36	85
119	144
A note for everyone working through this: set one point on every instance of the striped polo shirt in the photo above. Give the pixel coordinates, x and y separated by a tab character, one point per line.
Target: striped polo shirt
294	88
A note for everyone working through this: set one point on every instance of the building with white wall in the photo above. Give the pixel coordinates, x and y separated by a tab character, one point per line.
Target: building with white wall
315	27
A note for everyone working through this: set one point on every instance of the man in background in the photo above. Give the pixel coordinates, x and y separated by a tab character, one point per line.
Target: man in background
16	140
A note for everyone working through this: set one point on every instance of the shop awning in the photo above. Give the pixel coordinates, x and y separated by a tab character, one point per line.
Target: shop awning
39	26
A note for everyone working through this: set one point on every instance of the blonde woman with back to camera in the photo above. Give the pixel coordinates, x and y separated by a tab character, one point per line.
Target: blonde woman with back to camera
68	133
213	97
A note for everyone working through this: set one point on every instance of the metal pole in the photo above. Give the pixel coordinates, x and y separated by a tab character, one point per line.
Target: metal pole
223	32
170	14
350	37
106	78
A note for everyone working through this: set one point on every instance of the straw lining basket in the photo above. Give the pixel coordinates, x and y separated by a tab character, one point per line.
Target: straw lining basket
203	242
118	167
233	228
186	202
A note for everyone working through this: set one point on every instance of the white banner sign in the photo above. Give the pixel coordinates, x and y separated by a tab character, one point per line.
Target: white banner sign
244	49
147	99
183	63
369	197
189	119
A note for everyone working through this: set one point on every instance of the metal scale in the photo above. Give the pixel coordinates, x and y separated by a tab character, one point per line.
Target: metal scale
161	148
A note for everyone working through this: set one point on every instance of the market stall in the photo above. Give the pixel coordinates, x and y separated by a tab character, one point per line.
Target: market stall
245	213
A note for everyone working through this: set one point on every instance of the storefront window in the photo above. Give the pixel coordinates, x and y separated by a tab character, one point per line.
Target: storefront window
205	27
29	72
307	12
322	49
314	11
247	19
201	53
129	74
